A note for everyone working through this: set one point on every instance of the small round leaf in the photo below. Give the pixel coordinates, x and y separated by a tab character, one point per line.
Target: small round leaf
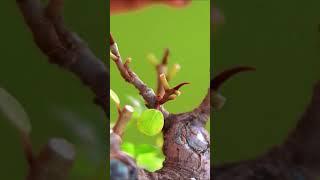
14	111
150	122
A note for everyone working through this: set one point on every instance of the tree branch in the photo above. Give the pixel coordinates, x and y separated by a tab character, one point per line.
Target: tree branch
65	48
124	117
54	161
146	92
297	158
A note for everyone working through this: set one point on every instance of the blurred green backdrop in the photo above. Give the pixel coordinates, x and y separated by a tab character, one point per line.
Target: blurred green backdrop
186	32
281	39
49	94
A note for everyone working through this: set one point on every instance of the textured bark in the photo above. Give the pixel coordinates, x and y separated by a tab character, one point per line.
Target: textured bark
186	147
298	158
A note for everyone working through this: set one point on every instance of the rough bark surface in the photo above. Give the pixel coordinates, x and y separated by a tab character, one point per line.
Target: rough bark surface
298	158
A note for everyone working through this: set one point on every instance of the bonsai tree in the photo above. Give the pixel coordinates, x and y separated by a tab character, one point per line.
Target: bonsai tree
186	144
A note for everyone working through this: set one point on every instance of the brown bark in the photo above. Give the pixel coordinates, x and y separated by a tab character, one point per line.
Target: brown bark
298	158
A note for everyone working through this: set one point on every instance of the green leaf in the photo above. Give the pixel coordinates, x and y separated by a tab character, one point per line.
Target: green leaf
128	148
146	148
150	122
114	97
14	111
150	161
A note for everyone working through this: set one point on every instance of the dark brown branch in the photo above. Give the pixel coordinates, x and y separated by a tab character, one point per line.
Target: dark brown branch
297	158
54	161
27	148
65	48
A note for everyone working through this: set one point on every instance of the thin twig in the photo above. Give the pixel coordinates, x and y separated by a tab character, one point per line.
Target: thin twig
124	116
147	93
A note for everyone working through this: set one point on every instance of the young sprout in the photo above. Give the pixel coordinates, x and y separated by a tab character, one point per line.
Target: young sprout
173	71
152	59
116	99
124	116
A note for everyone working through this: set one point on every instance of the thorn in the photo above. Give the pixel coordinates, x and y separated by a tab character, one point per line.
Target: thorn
180	85
216	82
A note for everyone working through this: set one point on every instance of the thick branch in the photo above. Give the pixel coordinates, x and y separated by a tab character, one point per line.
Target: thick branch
64	47
54	161
303	143
297	158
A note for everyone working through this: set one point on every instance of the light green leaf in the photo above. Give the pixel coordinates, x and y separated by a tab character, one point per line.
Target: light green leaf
146	148
159	141
150	122
128	148
14	111
114	97
150	161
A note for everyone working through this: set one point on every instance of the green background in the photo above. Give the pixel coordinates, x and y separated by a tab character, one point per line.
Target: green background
49	93
280	39
186	32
